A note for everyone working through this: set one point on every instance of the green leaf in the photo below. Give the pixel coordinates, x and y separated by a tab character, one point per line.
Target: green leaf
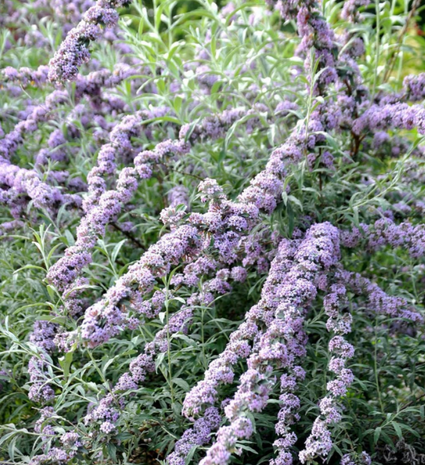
377	434
116	250
182	383
397	429
159	359
65	363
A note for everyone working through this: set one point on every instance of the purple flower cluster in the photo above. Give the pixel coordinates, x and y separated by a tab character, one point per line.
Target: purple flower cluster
22	184
74	51
316	37
350	10
108	317
379	301
220	371
38	368
11	141
40	390
103	206
386	116
356	459
282	343
319	442
225	220
107	413
57	455
386	232
267	187
43	334
41	426
415	87
119	146
178	195
26	76
198	435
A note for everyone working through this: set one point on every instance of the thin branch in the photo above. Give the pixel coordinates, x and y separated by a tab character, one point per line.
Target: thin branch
128	235
403	31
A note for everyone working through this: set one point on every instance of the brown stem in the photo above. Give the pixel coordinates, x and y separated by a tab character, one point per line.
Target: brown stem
152	424
128	235
187	174
349	88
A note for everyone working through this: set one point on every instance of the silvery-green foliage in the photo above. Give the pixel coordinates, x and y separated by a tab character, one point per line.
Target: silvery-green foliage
212	239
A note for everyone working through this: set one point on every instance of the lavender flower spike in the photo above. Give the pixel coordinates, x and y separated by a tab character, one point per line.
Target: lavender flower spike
74	50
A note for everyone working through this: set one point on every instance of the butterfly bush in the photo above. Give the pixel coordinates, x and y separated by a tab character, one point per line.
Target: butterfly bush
212	233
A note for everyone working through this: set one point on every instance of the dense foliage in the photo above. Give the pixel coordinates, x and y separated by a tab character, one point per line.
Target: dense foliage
212	239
